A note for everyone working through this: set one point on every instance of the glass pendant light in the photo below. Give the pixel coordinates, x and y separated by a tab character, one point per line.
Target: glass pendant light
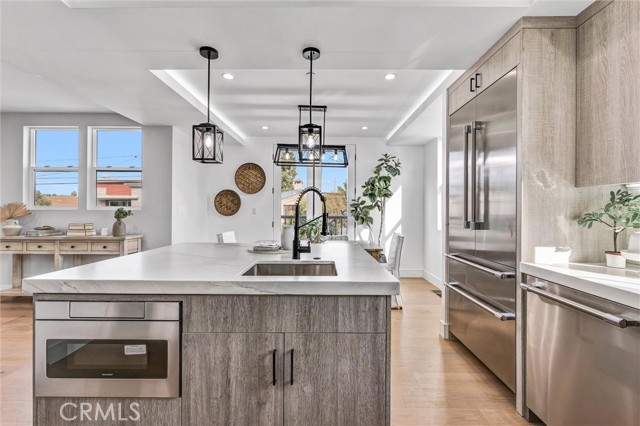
208	139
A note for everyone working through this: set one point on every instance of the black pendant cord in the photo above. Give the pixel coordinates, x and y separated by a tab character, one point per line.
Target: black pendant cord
310	87
208	87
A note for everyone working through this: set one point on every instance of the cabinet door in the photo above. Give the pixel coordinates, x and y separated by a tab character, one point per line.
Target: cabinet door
335	379
461	94
228	379
503	61
608	130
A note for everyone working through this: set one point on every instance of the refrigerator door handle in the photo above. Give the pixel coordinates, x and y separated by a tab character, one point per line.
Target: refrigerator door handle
500	274
465	216
475	219
604	316
502	316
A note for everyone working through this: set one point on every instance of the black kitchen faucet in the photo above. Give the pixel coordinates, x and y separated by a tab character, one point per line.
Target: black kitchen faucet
296	229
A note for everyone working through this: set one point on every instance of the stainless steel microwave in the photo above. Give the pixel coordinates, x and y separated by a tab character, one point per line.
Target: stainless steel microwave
107	349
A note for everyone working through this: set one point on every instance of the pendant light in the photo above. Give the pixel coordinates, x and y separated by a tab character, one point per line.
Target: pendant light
310	136
208	139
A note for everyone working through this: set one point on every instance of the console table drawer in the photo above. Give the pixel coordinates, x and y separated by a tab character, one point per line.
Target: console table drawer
11	246
74	247
41	246
114	247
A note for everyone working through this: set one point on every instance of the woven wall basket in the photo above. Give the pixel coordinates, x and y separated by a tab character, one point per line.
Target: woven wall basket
250	178
227	202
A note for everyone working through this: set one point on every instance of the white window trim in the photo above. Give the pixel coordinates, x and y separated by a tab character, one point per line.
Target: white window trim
29	167
92	132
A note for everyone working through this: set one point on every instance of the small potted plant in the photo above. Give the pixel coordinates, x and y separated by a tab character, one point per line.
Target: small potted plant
621	212
119	227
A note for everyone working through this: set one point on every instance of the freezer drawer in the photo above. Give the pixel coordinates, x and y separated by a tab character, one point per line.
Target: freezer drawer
581	369
491	336
484	280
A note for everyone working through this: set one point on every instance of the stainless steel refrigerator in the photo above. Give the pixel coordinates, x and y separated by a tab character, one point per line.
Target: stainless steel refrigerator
481	255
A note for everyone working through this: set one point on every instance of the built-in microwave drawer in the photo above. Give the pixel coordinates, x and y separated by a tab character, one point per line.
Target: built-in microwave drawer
485	281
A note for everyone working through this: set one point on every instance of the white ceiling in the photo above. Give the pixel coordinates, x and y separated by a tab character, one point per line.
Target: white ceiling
98	55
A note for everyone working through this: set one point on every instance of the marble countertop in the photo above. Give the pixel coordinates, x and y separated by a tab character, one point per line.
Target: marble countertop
211	268
618	285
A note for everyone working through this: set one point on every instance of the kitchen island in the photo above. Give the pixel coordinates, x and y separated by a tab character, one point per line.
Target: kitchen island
254	348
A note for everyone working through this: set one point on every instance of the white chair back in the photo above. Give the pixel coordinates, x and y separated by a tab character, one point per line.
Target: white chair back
395	253
227	237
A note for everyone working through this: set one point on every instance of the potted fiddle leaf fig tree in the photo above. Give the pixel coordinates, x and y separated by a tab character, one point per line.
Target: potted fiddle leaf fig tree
376	191
621	212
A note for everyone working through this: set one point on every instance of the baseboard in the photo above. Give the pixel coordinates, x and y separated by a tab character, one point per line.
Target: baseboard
432	279
410	273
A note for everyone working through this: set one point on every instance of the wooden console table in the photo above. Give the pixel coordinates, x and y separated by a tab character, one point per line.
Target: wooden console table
60	246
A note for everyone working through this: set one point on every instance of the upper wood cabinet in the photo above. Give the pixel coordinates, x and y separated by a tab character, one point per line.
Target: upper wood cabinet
608	107
478	79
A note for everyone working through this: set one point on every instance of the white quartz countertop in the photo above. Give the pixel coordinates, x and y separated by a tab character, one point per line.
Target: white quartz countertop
618	285
210	268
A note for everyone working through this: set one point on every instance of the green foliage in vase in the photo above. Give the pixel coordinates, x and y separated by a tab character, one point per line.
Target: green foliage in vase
621	212
121	213
376	191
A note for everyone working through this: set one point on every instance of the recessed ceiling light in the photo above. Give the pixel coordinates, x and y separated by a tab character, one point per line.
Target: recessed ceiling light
227	76
389	76
265	127
365	128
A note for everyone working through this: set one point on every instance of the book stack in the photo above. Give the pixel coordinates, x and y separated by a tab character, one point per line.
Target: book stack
81	230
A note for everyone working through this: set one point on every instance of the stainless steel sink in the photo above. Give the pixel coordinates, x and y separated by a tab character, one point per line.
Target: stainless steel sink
288	269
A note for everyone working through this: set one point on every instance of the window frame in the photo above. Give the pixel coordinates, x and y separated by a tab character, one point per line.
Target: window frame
30	169
93	169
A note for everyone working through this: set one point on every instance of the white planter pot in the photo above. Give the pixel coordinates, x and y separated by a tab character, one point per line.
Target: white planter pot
286	237
634	242
616	260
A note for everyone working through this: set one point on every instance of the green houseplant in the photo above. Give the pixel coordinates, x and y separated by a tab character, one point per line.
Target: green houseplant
375	193
621	212
119	227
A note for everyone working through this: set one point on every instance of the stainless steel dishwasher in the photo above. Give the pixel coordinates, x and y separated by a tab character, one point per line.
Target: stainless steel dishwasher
582	357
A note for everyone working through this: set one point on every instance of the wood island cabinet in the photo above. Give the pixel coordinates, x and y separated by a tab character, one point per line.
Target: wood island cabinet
311	360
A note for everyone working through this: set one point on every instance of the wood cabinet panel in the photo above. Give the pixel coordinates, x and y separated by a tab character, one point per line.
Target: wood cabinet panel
503	61
228	379
608	81
338	379
460	95
107	411
228	314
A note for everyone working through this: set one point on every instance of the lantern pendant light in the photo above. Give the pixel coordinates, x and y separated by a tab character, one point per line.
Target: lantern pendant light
208	139
310	136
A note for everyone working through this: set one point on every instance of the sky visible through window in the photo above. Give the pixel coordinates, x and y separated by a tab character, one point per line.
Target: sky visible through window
332	178
59	148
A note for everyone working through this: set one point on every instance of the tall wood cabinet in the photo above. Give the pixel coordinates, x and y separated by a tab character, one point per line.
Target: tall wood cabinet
285	360
608	133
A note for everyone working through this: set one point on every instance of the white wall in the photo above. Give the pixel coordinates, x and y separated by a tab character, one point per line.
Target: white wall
433	223
195	185
153	220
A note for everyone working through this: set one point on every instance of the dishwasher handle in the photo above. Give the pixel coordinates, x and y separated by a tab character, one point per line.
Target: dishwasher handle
605	316
499	274
502	316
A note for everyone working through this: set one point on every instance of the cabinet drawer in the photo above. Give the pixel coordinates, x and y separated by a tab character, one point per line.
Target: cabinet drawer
41	246
110	247
74	246
11	247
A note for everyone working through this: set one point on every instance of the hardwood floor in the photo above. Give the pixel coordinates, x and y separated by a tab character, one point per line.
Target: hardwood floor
433	381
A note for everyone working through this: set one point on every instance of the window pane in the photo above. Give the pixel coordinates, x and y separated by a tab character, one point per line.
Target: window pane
56	189
56	148
119	148
120	189
334	188
294	180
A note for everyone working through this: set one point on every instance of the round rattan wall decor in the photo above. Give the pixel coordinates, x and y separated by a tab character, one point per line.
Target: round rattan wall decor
227	202
250	178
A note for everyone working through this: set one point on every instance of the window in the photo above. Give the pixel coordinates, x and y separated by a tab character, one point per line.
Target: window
333	182
53	167
115	176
